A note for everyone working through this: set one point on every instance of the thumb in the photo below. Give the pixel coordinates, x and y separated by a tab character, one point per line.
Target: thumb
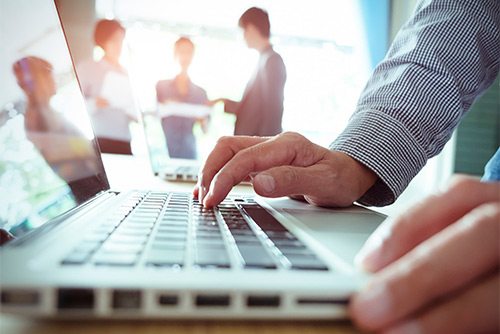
282	181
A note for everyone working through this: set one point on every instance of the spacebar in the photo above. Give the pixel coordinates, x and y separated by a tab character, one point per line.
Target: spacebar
263	218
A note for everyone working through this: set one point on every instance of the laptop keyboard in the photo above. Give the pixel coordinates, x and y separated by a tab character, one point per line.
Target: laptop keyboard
173	230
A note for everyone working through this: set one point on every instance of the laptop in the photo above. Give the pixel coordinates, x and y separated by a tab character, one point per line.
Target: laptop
173	156
164	165
82	250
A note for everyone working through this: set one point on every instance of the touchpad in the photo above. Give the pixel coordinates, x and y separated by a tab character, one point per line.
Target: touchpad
342	231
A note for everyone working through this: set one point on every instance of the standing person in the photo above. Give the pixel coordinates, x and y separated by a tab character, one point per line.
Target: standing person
178	130
260	111
111	114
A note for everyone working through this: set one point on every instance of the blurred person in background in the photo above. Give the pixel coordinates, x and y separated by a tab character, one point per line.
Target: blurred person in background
106	87
260	111
178	129
50	130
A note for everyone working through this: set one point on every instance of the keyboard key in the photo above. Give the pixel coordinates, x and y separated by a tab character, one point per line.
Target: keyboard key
255	256
144	215
288	243
170	237
170	213
212	258
165	257
111	247
132	224
132	231
206	225
242	232
87	246
263	218
96	237
171	244
207	234
246	239
138	239
140	220
76	257
280	235
295	251
210	243
104	228
236	226
306	262
112	259
175	220
172	229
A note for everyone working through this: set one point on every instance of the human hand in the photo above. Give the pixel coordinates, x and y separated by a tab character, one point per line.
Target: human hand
101	102
285	165
437	266
211	103
204	123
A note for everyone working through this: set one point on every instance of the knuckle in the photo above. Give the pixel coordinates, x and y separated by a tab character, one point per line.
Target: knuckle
487	215
224	140
469	187
462	184
290	135
416	280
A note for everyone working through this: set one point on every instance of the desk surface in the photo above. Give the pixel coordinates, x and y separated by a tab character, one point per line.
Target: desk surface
126	173
16	325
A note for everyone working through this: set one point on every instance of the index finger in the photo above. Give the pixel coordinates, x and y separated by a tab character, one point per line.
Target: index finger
284	149
223	151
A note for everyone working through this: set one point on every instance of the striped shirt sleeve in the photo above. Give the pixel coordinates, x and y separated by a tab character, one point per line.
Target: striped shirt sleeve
440	62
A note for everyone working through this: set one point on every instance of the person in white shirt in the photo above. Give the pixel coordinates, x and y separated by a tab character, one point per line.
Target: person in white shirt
111	121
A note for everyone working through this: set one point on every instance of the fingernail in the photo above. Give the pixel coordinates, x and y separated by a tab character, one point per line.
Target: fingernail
202	193
207	197
373	303
265	181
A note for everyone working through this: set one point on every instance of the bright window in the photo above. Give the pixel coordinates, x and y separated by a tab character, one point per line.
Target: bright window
322	44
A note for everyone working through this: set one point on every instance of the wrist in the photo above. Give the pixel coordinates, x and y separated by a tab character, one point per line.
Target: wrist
353	178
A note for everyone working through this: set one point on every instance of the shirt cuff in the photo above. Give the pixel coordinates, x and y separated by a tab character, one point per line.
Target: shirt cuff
384	145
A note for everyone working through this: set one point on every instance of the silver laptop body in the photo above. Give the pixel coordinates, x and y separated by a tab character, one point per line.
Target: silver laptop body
84	250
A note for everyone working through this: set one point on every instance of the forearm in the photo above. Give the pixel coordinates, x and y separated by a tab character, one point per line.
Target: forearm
439	63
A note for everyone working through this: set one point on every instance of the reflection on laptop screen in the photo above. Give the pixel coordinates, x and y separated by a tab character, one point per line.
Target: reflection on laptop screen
49	162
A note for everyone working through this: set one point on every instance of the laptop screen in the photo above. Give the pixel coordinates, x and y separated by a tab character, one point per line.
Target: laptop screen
49	160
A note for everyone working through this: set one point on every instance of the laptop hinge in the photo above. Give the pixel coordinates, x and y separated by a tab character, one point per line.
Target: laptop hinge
56	221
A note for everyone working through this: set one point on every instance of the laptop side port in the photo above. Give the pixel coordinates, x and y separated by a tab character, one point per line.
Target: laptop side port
168	300
75	299
321	301
126	299
263	301
20	298
212	300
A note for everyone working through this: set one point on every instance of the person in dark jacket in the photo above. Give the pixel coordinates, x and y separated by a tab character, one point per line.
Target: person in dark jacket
260	111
